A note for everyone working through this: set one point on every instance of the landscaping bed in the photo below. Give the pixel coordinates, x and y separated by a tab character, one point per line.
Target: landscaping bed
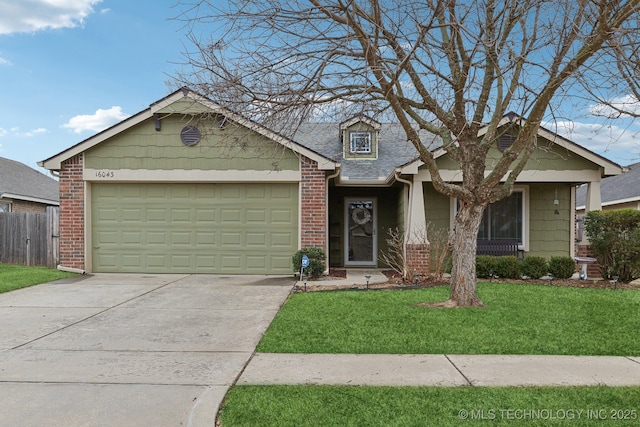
395	282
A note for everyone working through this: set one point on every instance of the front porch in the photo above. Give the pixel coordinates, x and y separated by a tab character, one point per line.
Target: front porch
359	220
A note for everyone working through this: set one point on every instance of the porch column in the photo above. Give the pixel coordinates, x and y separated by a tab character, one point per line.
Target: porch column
594	200
417	248
417	223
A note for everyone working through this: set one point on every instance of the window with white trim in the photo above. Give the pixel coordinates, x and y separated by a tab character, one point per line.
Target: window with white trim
504	219
360	142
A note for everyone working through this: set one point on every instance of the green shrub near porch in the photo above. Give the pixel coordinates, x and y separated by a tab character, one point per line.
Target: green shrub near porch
501	266
317	259
534	267
614	237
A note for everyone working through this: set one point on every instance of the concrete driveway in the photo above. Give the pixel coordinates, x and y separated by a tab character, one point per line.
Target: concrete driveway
124	349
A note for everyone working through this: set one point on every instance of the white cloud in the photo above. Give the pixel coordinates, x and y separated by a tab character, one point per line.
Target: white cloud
598	137
96	122
28	16
626	103
15	131
34	132
4	61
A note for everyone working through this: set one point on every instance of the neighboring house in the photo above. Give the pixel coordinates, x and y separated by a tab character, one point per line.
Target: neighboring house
616	192
24	189
189	186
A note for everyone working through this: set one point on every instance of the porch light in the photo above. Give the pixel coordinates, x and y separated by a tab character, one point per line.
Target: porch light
367	276
556	202
304	279
614	281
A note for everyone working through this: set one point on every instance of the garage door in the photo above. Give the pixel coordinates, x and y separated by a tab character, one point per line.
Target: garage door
194	228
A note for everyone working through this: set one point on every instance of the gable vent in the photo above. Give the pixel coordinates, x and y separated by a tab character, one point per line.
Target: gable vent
190	135
505	141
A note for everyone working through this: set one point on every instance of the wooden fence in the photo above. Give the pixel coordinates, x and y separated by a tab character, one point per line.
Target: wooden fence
28	238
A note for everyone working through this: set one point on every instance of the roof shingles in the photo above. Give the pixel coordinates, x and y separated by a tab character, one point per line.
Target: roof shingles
19	180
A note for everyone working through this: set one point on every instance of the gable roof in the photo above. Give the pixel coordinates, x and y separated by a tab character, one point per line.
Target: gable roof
617	189
200	103
393	150
19	181
608	167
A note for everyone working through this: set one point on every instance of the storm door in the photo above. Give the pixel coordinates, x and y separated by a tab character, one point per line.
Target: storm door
360	231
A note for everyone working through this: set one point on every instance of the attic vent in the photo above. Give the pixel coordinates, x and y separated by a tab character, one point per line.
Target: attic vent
505	141
190	135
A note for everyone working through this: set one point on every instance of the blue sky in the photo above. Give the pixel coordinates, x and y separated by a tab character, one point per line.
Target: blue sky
68	71
71	68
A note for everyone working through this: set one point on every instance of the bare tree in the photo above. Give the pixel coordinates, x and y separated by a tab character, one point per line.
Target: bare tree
452	68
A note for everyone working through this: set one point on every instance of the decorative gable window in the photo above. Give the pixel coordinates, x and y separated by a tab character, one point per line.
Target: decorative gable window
505	141
360	142
359	137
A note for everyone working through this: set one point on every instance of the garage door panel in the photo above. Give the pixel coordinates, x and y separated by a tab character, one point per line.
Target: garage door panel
131	260
156	215
132	237
206	228
281	262
156	261
181	215
281	216
206	238
206	215
230	216
256	240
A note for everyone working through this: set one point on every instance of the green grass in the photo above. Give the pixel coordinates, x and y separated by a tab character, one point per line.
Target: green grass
430	406
518	319
19	276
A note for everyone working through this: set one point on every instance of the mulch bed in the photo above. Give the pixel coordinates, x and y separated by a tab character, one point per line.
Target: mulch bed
395	282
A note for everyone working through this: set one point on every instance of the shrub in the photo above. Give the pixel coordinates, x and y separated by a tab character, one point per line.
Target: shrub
614	237
562	267
316	261
534	267
507	267
484	265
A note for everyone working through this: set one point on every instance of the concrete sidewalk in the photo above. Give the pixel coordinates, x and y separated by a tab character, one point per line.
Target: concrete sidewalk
435	369
441	370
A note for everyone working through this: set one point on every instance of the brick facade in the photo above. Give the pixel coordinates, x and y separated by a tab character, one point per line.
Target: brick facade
313	217
72	213
27	206
593	270
418	258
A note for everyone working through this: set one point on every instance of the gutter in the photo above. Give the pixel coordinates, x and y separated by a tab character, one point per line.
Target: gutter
71	270
326	204
409	208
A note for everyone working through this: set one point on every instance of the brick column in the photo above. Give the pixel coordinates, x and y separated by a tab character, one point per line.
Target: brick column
72	213
593	270
313	218
418	259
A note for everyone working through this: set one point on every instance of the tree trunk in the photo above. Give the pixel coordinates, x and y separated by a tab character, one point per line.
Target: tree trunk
464	245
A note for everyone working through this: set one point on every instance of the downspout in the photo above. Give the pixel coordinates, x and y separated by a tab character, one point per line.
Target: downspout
409	207
326	205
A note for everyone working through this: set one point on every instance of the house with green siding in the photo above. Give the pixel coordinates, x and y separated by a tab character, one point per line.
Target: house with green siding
188	186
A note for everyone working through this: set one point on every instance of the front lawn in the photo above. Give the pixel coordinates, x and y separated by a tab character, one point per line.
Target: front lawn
430	406
518	319
19	276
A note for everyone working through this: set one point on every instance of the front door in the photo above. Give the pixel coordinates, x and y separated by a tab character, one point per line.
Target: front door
360	231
